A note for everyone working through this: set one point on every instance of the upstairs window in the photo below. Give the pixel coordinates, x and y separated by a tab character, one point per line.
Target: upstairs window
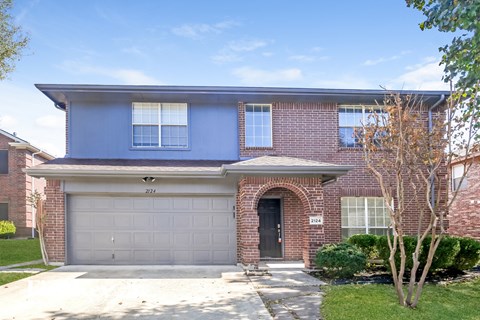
3	211
160	125
364	215
258	125
3	161
350	120
458	171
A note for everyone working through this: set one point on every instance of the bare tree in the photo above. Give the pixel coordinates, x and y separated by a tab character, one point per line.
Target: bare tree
37	201
409	156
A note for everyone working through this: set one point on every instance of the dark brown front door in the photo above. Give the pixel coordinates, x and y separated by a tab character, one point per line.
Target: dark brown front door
270	228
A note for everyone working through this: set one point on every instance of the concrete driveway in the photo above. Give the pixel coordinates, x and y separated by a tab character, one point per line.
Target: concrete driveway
133	292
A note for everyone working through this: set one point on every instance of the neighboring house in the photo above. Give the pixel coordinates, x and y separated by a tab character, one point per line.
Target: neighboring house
209	175
464	214
16	155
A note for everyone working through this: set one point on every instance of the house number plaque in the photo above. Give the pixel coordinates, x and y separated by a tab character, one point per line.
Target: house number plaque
316	220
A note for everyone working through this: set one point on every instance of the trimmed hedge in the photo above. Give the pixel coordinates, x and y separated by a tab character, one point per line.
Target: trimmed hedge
452	252
447	251
7	229
341	260
384	251
367	243
468	255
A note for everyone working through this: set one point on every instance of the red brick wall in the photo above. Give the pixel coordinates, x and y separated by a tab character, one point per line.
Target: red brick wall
464	214
310	131
15	187
55	221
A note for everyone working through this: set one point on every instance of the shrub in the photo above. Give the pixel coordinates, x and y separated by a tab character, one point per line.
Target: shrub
367	243
468	255
445	254
340	260
7	229
384	251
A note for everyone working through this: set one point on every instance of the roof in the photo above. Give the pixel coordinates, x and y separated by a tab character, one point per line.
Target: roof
23	144
62	94
120	168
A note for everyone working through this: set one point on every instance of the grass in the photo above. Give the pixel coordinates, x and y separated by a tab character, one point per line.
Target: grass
37	266
10	277
439	302
16	251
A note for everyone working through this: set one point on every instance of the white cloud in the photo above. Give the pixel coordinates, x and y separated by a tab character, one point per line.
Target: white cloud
232	51
253	76
426	76
374	62
344	82
134	51
246	45
302	58
51	121
125	76
197	31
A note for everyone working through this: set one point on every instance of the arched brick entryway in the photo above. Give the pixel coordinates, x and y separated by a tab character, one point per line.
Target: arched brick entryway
309	192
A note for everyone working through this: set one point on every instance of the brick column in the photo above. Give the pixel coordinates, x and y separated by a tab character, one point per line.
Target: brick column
55	221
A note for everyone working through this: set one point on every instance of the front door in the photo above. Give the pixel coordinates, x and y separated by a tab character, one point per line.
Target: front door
270	228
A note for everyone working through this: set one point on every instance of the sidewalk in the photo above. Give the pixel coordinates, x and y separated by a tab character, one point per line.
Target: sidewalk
288	292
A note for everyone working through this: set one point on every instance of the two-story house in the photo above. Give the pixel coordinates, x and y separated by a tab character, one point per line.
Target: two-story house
209	175
16	186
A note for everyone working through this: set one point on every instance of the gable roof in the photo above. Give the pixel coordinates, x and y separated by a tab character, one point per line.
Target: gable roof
23	144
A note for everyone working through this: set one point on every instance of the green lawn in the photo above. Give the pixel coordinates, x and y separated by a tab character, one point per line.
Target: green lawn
16	251
440	302
10	277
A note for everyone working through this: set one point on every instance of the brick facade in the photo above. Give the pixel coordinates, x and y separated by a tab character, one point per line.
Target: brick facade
464	214
55	221
16	186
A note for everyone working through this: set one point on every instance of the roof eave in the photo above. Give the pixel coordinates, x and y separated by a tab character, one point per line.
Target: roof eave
29	147
76	173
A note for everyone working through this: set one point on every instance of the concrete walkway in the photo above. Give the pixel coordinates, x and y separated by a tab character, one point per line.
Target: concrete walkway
289	293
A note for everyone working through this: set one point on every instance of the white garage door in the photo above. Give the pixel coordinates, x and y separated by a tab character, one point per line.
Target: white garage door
161	230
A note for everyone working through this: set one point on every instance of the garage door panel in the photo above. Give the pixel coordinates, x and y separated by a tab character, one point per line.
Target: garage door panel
182	221
182	257
202	240
102	239
182	239
162	240
143	240
122	221
155	230
180	204
102	220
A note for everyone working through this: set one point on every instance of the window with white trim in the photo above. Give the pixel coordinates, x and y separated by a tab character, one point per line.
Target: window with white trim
160	125
350	120
258	125
458	171
364	215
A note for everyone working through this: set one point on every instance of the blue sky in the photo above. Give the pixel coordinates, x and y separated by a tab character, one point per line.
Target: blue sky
310	43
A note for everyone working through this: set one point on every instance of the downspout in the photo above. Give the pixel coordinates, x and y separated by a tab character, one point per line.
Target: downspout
34	210
430	128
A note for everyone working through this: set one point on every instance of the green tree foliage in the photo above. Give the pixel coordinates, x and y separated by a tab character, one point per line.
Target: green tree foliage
461	58
12	40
